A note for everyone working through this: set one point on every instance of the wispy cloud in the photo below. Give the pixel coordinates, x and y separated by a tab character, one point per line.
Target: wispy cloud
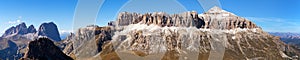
14	22
17	21
277	24
270	19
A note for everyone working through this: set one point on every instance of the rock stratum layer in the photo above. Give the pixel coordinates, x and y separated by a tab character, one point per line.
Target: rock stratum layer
215	18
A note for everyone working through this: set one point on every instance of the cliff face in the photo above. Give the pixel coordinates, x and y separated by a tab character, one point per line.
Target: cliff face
49	30
87	41
215	18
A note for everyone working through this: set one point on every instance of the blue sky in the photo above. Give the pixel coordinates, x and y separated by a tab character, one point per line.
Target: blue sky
271	15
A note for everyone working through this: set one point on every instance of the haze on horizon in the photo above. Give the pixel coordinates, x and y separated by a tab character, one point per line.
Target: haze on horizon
272	16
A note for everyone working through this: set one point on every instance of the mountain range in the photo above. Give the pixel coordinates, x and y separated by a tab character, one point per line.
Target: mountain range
213	35
15	39
289	38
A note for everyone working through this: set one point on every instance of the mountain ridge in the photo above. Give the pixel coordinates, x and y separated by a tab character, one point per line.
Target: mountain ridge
215	18
212	35
21	35
216	34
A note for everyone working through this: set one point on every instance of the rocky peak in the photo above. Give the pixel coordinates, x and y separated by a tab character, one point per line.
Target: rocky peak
31	29
20	29
216	9
22	25
49	30
44	49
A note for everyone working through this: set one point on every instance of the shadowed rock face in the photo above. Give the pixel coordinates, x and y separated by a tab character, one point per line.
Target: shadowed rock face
31	29
49	30
8	50
44	49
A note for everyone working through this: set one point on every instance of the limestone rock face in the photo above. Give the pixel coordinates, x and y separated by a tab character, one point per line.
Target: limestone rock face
213	35
87	41
44	49
215	18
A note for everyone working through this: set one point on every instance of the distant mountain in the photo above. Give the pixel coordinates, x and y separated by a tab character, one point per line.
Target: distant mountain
31	29
15	39
49	30
19	31
287	37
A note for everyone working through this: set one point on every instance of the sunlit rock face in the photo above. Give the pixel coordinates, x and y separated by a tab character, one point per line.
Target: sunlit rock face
87	42
214	35
215	18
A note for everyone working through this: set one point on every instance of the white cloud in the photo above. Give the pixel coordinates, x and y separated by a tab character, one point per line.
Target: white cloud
14	22
17	21
65	31
270	19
